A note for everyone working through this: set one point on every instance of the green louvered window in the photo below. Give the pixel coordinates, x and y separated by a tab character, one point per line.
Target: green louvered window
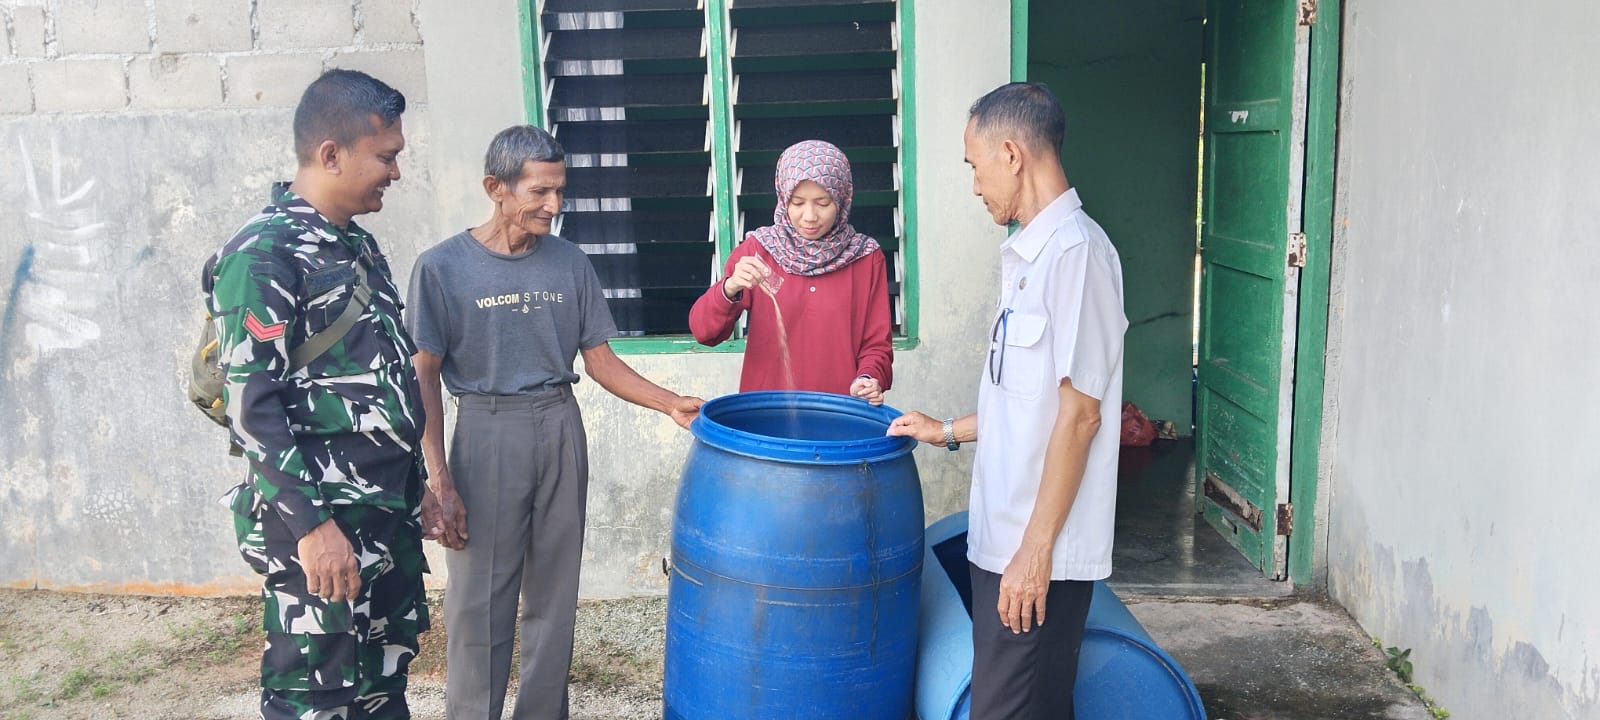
673	114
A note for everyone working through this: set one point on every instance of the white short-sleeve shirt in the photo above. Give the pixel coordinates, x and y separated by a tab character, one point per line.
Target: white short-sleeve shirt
1060	316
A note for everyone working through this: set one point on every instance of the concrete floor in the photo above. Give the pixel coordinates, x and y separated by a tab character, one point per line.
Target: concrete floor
1164	547
1256	649
1278	659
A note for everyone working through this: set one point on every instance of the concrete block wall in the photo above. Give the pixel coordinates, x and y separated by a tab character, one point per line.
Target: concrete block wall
111	55
135	137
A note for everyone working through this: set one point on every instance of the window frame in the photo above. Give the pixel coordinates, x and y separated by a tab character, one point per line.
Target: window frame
719	64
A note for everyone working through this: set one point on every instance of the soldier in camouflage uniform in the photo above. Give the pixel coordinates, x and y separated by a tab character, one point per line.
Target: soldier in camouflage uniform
330	511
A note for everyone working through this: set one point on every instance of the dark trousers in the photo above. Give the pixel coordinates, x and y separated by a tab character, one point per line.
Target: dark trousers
1026	676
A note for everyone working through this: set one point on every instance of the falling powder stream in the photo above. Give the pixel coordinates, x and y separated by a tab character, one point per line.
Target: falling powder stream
783	349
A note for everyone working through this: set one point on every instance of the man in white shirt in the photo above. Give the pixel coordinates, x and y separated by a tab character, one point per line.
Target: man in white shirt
1049	401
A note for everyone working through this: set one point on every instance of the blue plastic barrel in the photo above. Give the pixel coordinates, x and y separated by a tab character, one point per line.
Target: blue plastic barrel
796	563
1122	673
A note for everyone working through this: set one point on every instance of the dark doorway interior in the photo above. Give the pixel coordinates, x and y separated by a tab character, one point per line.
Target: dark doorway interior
1163	546
1129	75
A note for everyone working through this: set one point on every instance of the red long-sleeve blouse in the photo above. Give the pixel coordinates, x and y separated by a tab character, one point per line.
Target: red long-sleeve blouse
837	325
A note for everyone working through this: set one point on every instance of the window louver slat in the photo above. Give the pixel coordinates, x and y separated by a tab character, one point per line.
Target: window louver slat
627	101
824	70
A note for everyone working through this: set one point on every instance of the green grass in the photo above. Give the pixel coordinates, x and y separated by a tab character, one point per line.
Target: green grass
98	674
1398	662
78	646
89	670
611	667
25	688
217	641
74	683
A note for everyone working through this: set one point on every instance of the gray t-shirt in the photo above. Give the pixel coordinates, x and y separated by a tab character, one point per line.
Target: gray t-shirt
506	324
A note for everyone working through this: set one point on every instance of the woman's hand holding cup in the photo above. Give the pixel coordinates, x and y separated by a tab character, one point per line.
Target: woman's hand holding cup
748	273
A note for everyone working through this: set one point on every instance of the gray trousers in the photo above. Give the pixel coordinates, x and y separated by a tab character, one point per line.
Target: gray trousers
521	466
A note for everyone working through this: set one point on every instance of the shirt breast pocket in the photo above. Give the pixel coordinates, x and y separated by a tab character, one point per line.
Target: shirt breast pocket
328	292
1020	361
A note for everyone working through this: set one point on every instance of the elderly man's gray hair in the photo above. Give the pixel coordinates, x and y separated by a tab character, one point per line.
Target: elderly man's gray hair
516	145
1028	110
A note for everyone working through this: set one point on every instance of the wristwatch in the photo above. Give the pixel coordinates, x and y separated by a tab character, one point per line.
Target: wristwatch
950	435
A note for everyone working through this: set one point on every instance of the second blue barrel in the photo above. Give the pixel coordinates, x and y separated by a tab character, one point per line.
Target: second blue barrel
797	551
1122	673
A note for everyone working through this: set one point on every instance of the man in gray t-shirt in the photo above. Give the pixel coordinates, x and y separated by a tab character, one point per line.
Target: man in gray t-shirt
499	313
517	320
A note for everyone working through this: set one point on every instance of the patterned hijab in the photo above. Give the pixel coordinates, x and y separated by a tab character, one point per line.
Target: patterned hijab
825	165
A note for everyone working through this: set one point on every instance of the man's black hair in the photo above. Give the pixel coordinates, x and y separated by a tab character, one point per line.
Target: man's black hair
339	106
1028	109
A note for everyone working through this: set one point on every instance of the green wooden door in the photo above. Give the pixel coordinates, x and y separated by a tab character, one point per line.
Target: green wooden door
1250	247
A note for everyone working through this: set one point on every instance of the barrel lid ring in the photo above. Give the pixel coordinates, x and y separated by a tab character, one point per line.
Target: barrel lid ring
720	425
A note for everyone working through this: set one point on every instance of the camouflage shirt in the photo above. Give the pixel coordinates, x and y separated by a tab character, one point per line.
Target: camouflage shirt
347	428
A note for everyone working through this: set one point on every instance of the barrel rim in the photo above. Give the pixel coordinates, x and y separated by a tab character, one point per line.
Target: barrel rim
806	452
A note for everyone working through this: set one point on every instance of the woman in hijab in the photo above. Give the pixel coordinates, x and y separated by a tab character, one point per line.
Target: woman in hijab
816	290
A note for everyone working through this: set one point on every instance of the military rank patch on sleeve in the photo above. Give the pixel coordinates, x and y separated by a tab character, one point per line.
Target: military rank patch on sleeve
261	331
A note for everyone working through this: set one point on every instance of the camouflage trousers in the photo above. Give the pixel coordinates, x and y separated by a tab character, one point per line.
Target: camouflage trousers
346	660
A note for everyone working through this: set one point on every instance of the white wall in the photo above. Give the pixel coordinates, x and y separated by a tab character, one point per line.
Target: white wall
1462	364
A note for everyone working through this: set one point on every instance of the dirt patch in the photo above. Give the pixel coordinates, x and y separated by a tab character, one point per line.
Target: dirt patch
77	656
72	656
66	655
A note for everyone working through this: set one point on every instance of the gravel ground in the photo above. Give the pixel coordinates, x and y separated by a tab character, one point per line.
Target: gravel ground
617	659
72	656
68	656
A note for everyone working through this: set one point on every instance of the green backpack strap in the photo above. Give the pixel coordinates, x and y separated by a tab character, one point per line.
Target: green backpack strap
324	341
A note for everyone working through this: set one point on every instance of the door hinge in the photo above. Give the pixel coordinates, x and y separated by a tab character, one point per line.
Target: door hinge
1297	250
1308	13
1285	518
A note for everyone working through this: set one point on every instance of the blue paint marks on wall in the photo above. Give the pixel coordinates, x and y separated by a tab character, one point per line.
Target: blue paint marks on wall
22	274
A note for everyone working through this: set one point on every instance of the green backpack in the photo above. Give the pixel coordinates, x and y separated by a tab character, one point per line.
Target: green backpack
206	374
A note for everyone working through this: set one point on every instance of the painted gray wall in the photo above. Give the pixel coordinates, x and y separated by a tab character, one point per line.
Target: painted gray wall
1129	75
474	97
1462	491
108	479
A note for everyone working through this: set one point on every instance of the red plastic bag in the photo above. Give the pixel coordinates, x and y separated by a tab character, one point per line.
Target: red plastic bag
1137	430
